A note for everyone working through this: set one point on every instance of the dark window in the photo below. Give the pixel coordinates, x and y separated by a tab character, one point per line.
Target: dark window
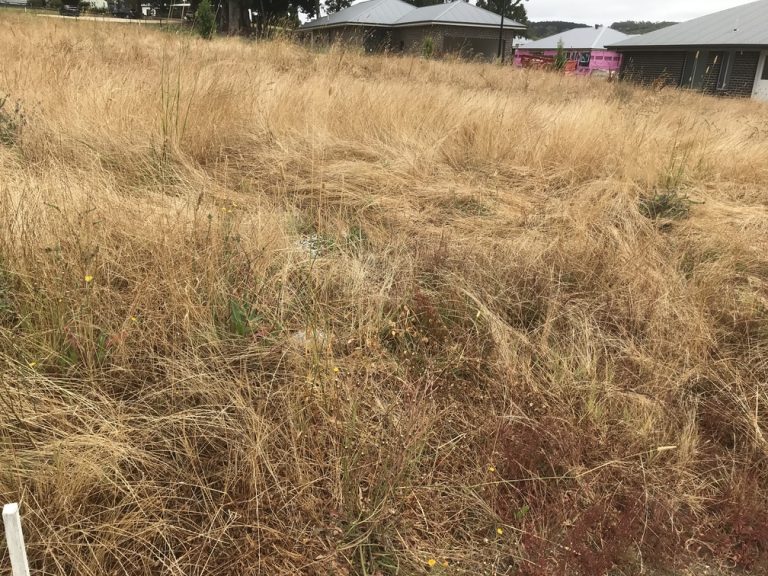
584	59
765	69
725	68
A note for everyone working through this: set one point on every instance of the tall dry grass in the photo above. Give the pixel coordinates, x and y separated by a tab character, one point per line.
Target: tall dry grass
269	311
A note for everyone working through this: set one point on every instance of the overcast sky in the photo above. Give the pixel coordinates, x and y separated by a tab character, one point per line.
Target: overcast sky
609	11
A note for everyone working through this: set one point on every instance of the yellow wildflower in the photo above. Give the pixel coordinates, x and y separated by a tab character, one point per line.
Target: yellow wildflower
88	278
491	468
431	562
499	531
133	319
336	369
32	364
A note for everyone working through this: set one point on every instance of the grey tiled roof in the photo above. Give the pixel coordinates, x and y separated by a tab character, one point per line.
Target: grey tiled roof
578	39
369	13
745	25
399	13
455	13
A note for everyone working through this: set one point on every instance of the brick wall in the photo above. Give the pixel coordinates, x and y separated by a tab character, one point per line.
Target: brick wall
411	38
743	72
650	67
484	34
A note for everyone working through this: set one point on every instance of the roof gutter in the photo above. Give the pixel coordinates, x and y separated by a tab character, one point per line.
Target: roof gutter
341	25
657	47
461	24
571	48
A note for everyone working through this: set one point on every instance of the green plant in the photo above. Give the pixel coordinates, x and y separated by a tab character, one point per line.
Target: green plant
669	202
560	57
356	239
427	47
242	317
205	20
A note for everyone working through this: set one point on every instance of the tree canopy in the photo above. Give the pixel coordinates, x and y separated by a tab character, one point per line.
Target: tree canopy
513	9
639	27
332	6
420	3
544	29
266	12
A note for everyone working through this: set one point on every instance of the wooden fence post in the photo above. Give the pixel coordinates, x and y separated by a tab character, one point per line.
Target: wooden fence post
14	537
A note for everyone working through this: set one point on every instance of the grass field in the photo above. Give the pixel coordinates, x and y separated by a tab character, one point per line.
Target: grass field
269	311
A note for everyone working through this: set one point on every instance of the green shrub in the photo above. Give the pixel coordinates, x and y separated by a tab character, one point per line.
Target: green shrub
205	21
560	57
428	47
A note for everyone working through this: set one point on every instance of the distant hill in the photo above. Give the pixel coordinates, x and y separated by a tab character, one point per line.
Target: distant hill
543	29
632	27
538	30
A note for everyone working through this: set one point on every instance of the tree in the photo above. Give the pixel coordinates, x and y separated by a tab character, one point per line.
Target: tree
205	21
332	6
513	9
268	13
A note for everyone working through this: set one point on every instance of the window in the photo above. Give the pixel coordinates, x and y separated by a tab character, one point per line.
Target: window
598	57
584	59
725	69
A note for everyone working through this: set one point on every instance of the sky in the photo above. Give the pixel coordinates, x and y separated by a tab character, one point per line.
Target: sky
609	11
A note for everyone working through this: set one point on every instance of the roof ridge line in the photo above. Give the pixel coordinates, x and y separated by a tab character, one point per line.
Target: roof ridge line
599	36
450	7
374	3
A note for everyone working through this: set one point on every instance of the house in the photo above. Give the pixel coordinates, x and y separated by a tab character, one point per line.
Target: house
585	47
456	27
722	53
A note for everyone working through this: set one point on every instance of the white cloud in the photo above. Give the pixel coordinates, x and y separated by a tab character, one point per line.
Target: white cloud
609	11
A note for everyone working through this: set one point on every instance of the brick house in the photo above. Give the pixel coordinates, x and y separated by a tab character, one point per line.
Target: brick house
725	53
457	27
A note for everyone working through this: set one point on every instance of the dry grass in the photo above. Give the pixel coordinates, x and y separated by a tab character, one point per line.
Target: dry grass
348	314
